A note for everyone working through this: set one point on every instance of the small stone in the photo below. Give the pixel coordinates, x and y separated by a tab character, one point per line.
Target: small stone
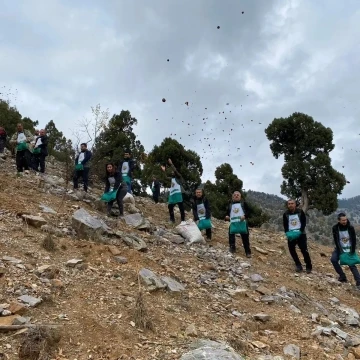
57	283
352	321
314	317
20	321
342	334
351	357
11	260
256	278
263	290
191	330
6	313
73	262
35	221
261	251
334	300
356	352
17	309
30	300
267	299
172	285
121	259
295	309
262	317
292	350
114	250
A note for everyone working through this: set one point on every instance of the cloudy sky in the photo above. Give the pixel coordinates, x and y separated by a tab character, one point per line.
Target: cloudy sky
269	59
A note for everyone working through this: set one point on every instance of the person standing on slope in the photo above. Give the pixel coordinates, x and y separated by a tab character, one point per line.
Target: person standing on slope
202	212
294	220
345	242
127	167
82	167
115	182
40	152
237	214
155	188
3	137
22	139
175	195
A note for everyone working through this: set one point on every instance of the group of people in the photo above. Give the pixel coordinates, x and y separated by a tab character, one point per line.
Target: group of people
30	149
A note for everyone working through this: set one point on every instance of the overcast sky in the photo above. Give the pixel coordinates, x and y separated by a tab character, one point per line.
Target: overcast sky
269	59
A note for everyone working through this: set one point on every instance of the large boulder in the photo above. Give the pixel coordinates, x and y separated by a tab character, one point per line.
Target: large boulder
87	226
210	350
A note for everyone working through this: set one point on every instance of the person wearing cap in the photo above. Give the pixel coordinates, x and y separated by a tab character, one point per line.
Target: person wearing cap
202	212
127	167
82	167
345	242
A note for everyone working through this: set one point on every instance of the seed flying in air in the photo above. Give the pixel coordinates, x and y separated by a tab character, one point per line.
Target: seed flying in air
163	100
218	27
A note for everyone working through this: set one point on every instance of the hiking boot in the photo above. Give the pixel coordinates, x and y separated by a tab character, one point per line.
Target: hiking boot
342	279
308	270
299	268
248	256
232	249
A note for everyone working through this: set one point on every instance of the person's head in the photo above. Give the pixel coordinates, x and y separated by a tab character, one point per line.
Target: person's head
154	177
42	132
342	219
127	154
236	196
110	168
83	147
291	204
199	193
37	132
19	127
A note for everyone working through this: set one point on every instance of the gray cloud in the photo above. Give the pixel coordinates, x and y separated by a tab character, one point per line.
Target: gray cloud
273	60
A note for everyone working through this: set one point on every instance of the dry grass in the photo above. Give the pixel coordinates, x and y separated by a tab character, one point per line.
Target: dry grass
39	344
48	243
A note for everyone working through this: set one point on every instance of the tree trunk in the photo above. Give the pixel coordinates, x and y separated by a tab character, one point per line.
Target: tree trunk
304	201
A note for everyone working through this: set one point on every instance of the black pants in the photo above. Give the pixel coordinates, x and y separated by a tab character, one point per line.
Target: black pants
2	145
38	160
84	174
245	240
119	199
301	242
156	197
208	233
22	160
171	211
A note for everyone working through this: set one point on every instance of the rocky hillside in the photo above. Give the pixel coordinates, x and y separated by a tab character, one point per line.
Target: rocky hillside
319	226
76	284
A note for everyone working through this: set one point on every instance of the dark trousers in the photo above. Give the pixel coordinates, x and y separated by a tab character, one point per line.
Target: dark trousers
335	258
38	160
129	187
119	199
156	197
22	160
2	145
245	240
301	242
84	174
208	233
171	211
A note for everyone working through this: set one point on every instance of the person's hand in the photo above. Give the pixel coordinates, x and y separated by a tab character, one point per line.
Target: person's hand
163	168
170	161
227	218
242	218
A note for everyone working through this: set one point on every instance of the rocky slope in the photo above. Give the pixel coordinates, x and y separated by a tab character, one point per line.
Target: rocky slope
112	291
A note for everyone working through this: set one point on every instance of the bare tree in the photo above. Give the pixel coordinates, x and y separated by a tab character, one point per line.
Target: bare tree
92	128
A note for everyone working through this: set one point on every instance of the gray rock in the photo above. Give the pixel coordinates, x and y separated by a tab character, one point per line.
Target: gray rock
151	280
134	242
352	341
172	284
73	262
30	300
256	278
295	309
35	221
210	350
177	239
352	321
134	220
6	312
131	208
53	180
47	209
87	226
121	259
11	260
267	299
262	317
21	321
341	334
292	350
334	300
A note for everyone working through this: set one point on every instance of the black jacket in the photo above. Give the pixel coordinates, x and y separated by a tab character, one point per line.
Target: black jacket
196	201
244	206
338	227
3	135
119	183
156	187
302	219
87	158
131	163
44	145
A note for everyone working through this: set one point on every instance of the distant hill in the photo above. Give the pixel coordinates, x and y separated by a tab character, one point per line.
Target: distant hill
319	225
